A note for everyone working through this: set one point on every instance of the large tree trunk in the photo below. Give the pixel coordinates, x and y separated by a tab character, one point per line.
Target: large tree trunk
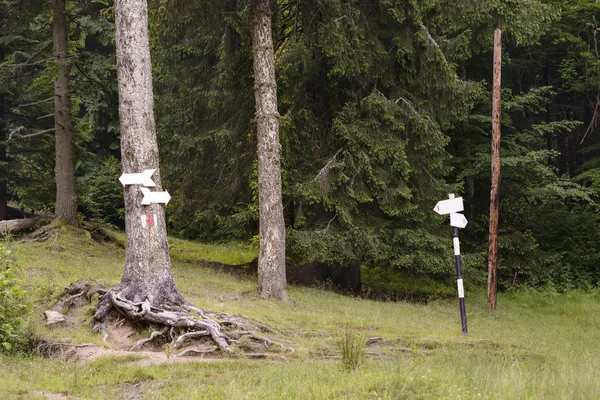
271	257
147	274
147	292
66	200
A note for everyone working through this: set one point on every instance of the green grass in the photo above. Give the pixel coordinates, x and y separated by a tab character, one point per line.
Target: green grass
535	346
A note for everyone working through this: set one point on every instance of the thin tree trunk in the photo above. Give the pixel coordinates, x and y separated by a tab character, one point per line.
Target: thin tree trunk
66	200
3	174
271	258
147	274
495	190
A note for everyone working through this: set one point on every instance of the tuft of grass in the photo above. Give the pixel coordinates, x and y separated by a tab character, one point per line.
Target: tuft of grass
351	348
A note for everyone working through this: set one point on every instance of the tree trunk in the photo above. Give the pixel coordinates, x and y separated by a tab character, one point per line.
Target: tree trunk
147	293
3	173
66	200
17	225
495	190
147	275
271	258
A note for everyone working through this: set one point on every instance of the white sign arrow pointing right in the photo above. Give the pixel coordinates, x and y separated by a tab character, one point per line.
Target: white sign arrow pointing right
154	197
458	220
144	178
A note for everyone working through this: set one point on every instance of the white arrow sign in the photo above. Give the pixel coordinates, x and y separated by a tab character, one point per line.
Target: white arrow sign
144	178
458	220
449	206
154	197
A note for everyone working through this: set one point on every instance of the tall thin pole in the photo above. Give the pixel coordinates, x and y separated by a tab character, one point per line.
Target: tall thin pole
459	277
495	189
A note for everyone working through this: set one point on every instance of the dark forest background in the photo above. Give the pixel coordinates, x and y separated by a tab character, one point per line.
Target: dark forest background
385	108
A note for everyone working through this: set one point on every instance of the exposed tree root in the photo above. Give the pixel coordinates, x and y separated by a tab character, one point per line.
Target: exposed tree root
184	324
43	234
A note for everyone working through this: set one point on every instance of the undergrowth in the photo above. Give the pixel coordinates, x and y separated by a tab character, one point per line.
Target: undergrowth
14	313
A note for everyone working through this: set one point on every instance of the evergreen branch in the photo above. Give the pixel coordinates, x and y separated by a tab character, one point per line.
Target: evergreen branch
37	102
16	135
326	167
594	120
45	116
28	64
408	104
432	41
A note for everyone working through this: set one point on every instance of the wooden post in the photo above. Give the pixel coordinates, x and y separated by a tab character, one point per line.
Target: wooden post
495	189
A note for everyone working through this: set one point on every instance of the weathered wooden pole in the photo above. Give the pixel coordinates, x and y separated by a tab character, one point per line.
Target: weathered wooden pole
495	189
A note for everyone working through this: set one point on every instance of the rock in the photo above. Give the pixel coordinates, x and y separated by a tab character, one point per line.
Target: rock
53	317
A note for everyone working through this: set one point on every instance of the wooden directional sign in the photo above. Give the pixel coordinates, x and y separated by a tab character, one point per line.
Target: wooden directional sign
144	178
154	197
458	220
449	206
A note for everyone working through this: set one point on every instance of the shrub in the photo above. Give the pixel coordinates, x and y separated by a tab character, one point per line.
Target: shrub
14	313
101	194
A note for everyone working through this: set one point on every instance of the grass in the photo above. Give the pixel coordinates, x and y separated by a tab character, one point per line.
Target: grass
535	346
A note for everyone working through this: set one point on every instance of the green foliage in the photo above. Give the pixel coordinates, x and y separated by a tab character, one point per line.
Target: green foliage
14	313
27	92
549	233
100	193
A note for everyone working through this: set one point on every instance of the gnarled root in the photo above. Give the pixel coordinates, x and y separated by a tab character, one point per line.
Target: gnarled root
185	323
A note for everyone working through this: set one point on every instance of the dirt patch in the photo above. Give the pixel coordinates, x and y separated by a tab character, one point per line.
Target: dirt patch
140	345
132	391
49	395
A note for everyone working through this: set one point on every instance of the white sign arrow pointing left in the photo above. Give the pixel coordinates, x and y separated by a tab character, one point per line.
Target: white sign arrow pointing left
144	178
449	206
154	197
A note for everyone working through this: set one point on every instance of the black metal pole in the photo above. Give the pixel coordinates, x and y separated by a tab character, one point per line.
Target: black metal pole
459	281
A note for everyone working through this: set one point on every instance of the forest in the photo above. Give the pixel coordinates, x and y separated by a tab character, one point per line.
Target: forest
241	199
384	108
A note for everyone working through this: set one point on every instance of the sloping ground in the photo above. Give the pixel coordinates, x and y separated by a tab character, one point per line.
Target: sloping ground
537	345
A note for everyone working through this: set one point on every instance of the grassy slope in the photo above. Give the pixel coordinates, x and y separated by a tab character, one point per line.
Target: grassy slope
540	346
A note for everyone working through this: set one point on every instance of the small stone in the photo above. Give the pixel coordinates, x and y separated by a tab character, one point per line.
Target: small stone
53	317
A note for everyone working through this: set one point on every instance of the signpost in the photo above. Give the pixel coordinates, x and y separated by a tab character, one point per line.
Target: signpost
144	178
458	220
154	197
452	206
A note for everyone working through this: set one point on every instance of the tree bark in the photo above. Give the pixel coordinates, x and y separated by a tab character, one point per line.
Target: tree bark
147	275
271	258
495	189
3	172
66	199
17	225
